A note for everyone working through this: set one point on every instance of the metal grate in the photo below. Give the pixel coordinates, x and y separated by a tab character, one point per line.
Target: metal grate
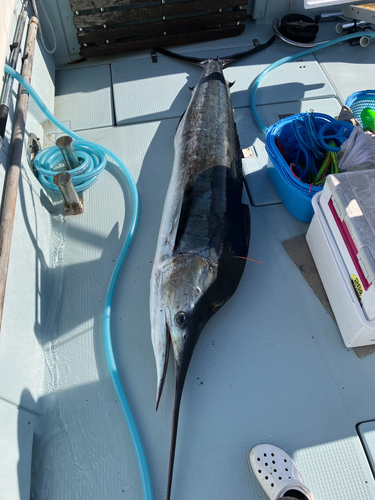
117	26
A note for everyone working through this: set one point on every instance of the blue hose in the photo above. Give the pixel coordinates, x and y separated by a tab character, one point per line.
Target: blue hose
93	161
101	150
287	59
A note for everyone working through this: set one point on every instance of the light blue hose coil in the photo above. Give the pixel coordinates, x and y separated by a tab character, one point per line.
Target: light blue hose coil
93	161
287	59
97	152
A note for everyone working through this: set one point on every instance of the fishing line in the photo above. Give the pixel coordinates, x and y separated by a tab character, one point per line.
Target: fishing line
247	258
111	362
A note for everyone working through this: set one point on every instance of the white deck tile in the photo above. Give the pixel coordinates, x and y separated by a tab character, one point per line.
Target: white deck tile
84	97
145	91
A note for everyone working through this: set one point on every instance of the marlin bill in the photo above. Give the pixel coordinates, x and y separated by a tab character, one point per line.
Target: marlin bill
205	228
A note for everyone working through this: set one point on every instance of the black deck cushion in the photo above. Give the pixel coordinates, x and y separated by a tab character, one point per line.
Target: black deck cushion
106	27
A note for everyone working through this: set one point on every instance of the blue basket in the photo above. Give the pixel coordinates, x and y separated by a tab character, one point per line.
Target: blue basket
295	194
359	101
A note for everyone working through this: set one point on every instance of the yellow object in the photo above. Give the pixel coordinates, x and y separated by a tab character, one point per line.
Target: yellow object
369	6
357	285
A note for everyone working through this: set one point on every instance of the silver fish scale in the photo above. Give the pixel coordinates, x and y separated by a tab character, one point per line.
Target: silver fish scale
206	155
204	229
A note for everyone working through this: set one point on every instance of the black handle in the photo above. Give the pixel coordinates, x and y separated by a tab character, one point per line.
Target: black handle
4	110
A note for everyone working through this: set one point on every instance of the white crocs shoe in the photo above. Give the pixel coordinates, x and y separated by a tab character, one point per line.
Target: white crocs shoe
276	472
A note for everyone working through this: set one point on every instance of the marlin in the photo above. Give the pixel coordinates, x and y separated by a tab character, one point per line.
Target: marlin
204	233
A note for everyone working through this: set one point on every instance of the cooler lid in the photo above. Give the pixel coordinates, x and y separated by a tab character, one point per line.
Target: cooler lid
353	197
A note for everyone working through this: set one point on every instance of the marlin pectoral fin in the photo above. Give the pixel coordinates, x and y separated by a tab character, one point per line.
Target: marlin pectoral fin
162	379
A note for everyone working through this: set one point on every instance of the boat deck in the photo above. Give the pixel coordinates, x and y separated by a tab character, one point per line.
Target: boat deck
270	366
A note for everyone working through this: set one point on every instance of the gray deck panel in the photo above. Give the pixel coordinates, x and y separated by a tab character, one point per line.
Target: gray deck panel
144	91
284	377
16	437
260	188
84	97
294	81
349	69
22	304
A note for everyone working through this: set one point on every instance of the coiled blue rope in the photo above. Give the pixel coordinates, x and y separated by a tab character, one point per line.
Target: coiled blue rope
287	59
101	150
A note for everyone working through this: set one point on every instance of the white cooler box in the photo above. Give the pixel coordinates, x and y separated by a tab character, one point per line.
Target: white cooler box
342	241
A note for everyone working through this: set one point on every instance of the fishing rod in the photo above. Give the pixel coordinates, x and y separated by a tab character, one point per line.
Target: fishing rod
8	82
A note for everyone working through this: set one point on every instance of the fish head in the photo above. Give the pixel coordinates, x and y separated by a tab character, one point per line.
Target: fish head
186	280
178	310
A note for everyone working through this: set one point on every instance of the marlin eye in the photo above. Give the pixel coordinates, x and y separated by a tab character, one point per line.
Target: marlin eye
181	319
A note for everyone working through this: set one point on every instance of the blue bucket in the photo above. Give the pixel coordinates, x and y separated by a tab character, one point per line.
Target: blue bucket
295	194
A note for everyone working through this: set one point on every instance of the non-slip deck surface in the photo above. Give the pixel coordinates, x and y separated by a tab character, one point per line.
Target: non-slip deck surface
91	88
270	366
160	87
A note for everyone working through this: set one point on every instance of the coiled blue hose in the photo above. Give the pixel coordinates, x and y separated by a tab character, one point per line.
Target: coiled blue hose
93	161
287	59
101	150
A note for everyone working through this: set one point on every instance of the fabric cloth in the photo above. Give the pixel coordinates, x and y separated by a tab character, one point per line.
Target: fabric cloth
357	152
